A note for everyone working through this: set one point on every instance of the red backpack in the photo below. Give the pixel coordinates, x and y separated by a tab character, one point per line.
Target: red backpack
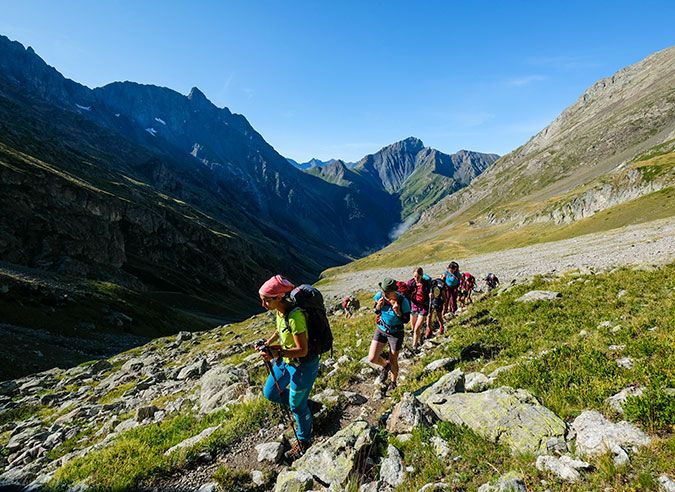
403	289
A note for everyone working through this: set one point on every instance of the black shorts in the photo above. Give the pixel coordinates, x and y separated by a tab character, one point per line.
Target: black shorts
437	304
395	339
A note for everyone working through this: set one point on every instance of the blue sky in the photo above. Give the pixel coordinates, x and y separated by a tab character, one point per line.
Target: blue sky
343	79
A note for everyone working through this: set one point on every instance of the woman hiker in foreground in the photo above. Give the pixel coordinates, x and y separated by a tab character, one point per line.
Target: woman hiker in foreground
294	378
393	311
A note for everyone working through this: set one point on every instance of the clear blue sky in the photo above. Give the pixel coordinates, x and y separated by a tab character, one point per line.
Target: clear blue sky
341	79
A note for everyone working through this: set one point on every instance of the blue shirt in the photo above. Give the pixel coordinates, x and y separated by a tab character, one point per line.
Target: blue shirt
388	319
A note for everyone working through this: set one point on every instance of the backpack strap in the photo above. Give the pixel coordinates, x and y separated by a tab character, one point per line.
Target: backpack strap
288	315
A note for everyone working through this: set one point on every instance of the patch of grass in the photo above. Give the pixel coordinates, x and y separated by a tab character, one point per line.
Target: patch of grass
116	393
234	480
22	412
138	454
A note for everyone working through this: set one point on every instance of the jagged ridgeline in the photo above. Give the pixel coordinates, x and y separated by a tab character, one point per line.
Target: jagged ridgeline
141	201
607	161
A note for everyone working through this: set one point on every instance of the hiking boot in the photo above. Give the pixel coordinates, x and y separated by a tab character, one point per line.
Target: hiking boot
297	450
391	387
440	330
384	372
428	333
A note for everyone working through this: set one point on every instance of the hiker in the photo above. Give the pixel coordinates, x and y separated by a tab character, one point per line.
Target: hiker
350	304
393	311
491	281
438	299
294	378
467	284
420	297
451	278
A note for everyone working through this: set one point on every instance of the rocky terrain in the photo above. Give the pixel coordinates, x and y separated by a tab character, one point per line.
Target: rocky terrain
62	420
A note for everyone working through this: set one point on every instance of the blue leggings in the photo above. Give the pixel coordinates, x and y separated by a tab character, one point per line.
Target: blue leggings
295	382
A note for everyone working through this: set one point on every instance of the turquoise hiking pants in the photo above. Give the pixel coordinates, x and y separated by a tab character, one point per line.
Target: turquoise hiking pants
296	383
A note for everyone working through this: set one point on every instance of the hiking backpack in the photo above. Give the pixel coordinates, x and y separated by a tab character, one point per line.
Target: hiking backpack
438	288
319	336
404	289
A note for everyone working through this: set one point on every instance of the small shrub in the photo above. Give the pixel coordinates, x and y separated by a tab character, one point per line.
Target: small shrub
234	480
655	409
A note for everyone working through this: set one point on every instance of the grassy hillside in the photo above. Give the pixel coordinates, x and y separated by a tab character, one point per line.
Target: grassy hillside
462	237
560	352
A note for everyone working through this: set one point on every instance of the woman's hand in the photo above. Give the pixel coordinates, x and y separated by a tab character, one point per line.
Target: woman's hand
380	303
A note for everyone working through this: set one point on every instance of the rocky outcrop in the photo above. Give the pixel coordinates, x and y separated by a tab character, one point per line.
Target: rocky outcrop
597	435
510	417
331	461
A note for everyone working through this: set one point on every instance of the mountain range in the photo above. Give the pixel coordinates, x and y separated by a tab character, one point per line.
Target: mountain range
166	194
316	163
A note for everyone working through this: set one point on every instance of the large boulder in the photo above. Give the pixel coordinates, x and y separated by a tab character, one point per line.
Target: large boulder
410	413
221	385
597	435
511	417
332	461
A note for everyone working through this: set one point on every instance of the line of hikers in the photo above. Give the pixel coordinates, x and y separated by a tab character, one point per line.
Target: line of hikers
303	333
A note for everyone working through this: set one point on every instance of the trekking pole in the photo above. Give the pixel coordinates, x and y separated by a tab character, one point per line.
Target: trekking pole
270	371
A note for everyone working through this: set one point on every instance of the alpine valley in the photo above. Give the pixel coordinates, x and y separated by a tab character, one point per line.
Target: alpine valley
171	209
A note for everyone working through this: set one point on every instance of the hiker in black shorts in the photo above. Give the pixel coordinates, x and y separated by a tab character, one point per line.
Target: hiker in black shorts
393	311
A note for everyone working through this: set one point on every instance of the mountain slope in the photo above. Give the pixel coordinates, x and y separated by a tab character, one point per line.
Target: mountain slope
595	155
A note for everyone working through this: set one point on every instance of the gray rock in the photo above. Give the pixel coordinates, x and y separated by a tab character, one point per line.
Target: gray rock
617	401
209	487
332	461
605	324
447	385
408	414
294	481
447	364
564	467
221	385
556	445
270	451
258	477
434	487
539	295
183	336
193	370
621	294
504	415
475	382
391	469
667	483
441	447
625	362
8	388
510	482
597	435
144	413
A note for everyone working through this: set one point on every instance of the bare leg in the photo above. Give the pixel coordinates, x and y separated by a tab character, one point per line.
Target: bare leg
375	353
393	359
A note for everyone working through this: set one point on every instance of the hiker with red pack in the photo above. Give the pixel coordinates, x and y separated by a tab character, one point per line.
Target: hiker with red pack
420	297
451	277
467	284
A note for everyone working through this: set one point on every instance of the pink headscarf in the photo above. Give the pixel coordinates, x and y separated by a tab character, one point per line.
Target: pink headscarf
276	286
